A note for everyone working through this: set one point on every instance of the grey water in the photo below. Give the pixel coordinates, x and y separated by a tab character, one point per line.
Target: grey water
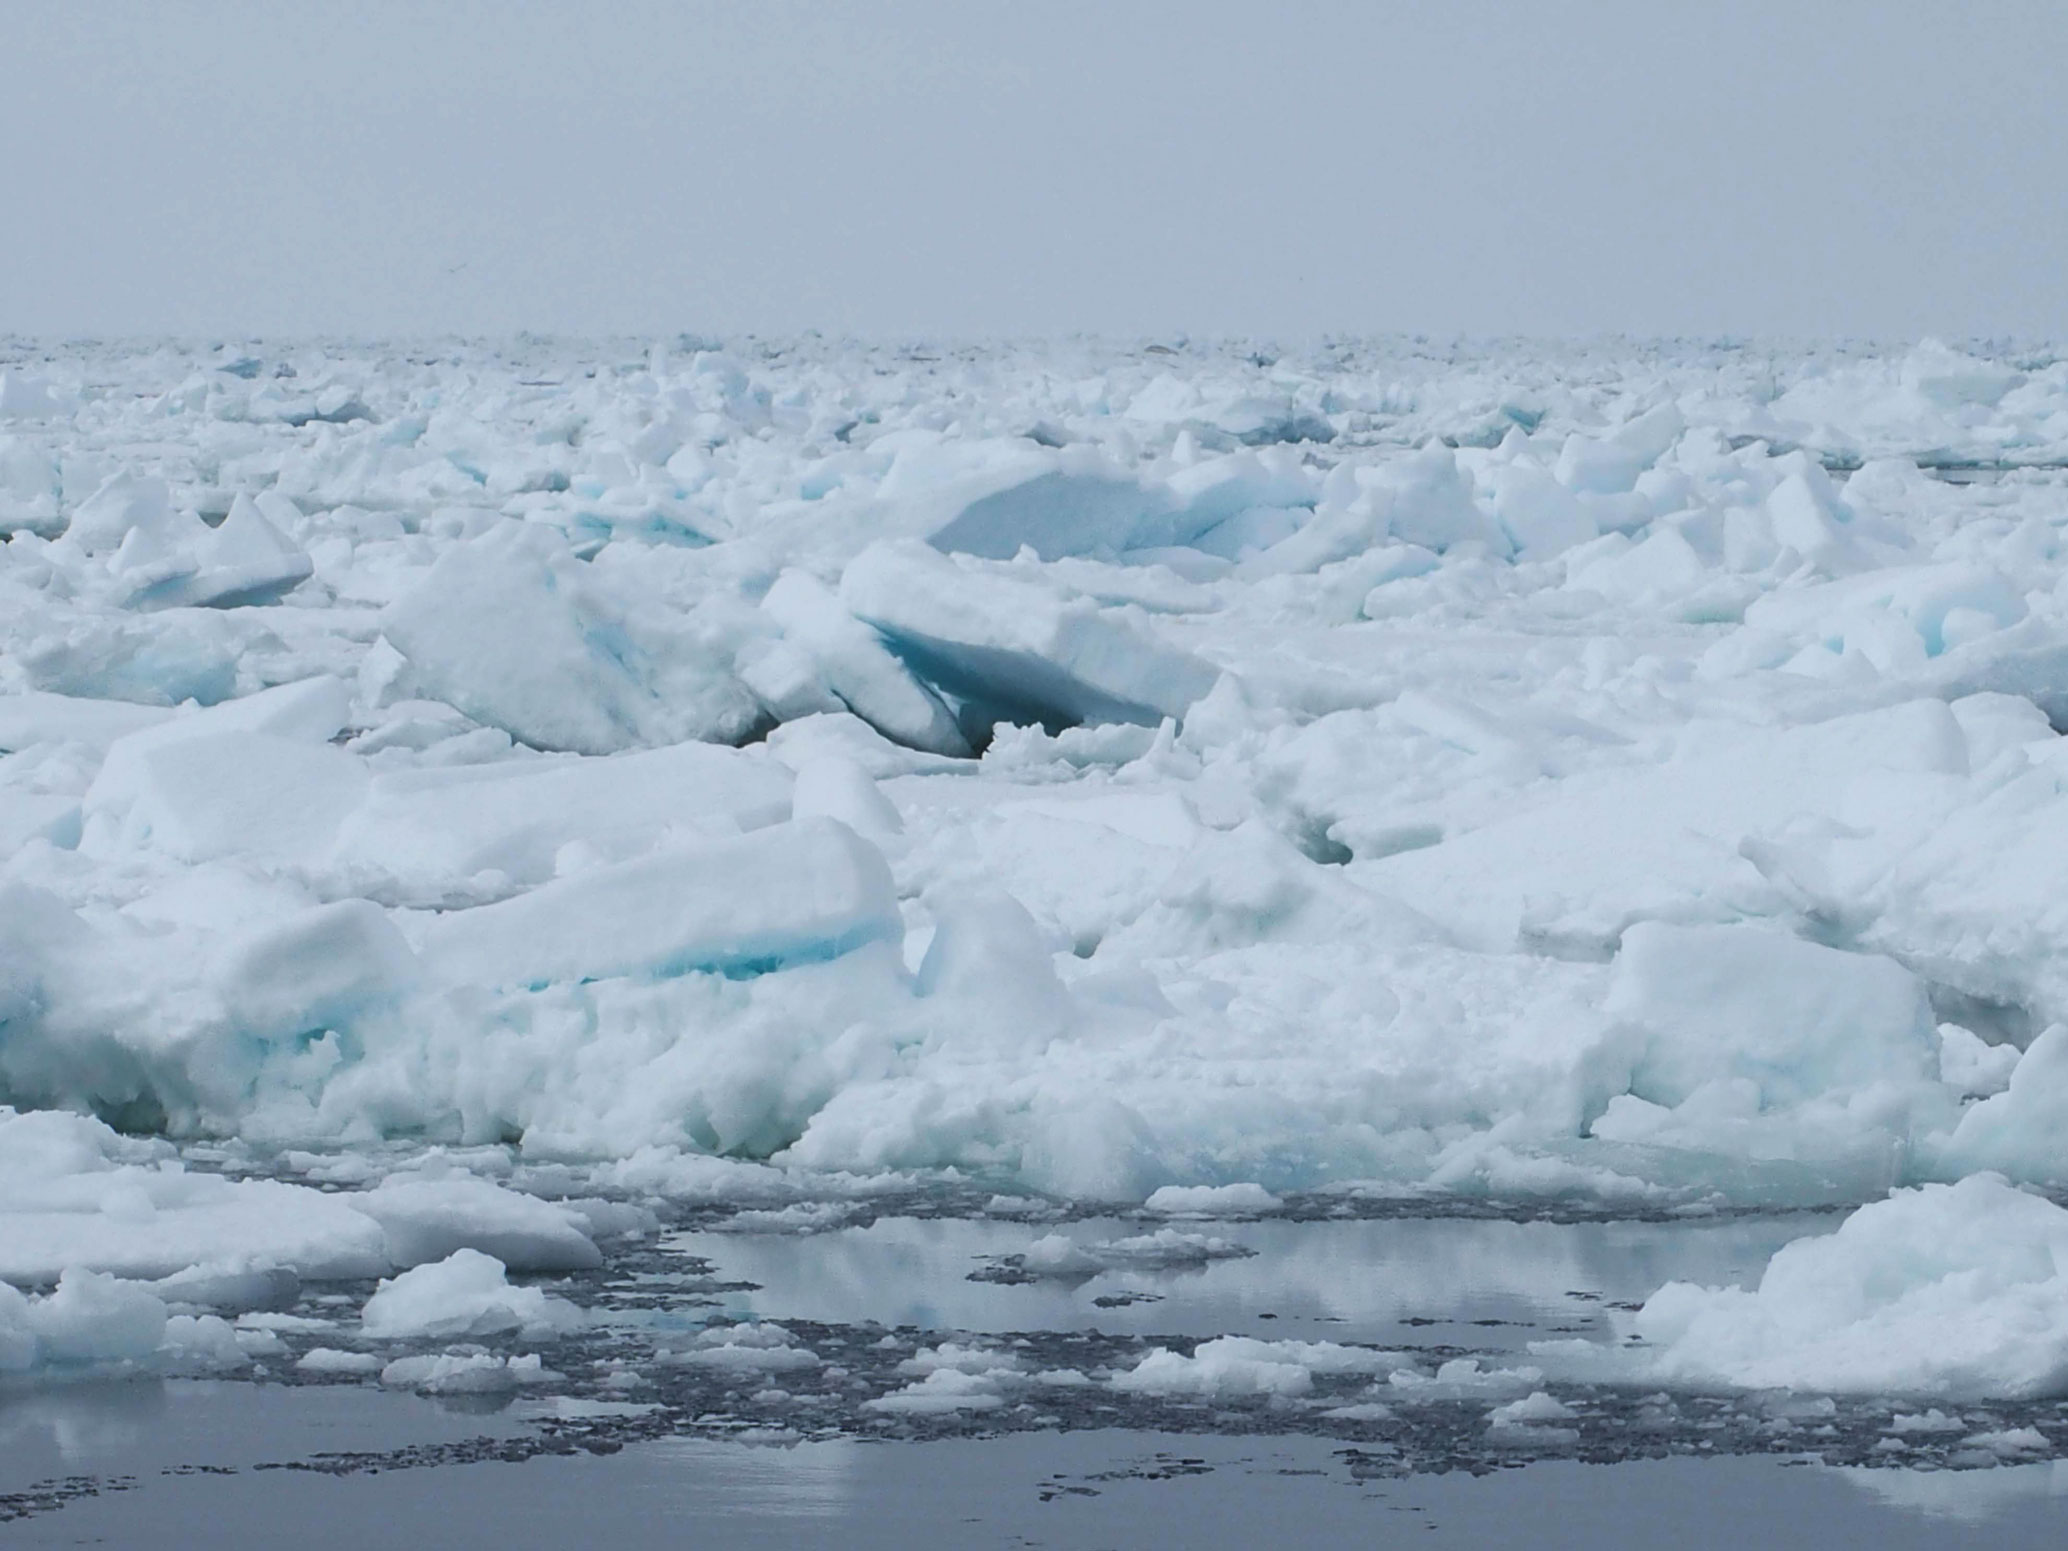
1401	1281
183	1465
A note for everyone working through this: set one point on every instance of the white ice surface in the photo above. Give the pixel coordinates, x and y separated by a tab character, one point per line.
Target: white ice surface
1627	774
462	1296
1953	1291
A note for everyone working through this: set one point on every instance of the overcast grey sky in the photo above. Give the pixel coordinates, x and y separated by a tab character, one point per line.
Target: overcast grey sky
1818	167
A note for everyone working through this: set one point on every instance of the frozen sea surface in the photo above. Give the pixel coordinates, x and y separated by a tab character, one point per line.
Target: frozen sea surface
516	840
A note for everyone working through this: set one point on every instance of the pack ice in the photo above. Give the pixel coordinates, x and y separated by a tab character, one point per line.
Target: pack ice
1618	774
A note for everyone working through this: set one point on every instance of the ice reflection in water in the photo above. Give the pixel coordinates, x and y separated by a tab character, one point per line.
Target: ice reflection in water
816	1482
1361	1281
1972	1496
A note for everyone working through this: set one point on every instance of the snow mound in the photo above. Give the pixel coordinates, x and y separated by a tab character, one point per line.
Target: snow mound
464	1295
1956	1292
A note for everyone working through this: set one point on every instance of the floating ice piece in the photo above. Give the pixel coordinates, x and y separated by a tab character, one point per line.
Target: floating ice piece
747	1348
310	711
1462	1378
332	1361
1530	1423
988	955
509	628
1213	1200
1431	501
1958	1292
126	504
36	716
1224	409
428	1219
794	893
78	1195
30	485
236	1287
26	816
1978	600
1215	493
1537	1406
942	1392
1971	1066
2019	1130
997	638
799	1217
1540	516
1723	1003
1949	379
466	1373
1056	1255
245	561
1927	1422
835	787
1074	505
963	1359
1662	840
428	837
1807	515
1663	567
23	397
465	1295
90	1318
1235	1367
232	794
1362	1411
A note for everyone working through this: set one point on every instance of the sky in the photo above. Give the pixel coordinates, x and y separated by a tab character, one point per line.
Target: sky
1221	168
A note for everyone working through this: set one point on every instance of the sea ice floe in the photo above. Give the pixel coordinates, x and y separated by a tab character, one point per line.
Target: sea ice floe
464	1295
1957	1292
1617	774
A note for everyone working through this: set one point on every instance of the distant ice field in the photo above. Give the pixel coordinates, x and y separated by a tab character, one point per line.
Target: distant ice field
484	801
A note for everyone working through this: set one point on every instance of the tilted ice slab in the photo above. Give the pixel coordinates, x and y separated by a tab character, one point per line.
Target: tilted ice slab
514	631
260	778
859	669
34	717
421	836
128	543
799	892
1000	638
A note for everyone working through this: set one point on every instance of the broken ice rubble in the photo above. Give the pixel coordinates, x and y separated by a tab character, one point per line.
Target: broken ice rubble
1619	775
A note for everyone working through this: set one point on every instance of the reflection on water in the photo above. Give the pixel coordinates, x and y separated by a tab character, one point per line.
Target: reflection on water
816	1481
1974	1496
1109	1489
145	1426
77	1426
1384	1282
182	1462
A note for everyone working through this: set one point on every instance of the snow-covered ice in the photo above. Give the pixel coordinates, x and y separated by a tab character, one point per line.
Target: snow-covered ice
465	1294
1954	1291
1212	778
